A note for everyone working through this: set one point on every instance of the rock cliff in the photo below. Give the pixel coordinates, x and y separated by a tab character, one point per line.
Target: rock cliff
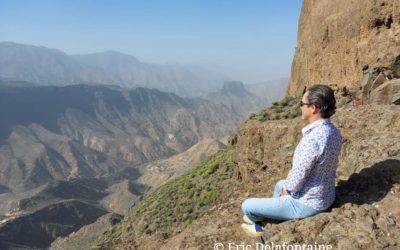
347	44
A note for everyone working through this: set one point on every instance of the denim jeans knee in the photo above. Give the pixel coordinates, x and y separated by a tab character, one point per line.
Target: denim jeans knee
247	207
278	208
278	187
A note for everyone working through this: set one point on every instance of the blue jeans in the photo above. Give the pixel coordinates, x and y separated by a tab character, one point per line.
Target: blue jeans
277	208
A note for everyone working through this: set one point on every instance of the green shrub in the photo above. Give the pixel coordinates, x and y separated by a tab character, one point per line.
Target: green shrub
287	108
284	115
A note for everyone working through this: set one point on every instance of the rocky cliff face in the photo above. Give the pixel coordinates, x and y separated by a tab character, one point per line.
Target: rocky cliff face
340	42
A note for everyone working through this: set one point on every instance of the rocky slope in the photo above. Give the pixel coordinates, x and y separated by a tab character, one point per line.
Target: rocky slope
41	228
153	175
340	41
156	173
364	216
84	238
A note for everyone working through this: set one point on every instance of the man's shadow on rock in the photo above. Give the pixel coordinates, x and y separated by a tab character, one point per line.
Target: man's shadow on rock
369	185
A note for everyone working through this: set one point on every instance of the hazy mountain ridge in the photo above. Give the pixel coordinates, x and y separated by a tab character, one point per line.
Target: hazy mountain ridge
272	90
234	95
44	66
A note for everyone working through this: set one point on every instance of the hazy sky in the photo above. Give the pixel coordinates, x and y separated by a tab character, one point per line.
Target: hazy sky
250	40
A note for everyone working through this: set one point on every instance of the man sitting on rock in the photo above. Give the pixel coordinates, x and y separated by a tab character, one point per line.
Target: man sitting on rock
310	185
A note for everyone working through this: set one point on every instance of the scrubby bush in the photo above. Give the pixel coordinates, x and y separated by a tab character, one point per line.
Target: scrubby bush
287	108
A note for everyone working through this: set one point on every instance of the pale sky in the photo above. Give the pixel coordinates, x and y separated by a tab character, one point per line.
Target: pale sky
251	41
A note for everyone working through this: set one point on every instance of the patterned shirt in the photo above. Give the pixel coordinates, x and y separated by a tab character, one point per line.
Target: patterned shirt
312	177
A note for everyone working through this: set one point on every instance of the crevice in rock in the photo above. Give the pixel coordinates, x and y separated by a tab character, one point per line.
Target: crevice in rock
389	22
378	23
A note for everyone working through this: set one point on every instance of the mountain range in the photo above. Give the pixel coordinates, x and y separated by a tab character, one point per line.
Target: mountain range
28	65
44	66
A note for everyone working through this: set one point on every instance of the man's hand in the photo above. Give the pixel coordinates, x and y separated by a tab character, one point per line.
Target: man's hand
282	192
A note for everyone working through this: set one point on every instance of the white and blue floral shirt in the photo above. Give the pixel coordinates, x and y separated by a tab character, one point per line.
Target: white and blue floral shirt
312	177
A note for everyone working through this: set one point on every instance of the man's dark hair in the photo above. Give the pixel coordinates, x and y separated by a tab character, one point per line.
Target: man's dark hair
324	98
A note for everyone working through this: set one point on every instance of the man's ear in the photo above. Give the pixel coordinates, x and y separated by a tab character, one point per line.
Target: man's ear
314	109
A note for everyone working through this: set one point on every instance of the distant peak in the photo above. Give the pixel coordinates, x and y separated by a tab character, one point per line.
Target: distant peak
234	87
112	52
116	54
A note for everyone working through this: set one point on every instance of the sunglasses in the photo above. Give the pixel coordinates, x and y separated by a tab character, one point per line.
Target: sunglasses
304	103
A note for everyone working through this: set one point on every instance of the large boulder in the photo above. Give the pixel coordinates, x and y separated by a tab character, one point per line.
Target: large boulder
387	93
